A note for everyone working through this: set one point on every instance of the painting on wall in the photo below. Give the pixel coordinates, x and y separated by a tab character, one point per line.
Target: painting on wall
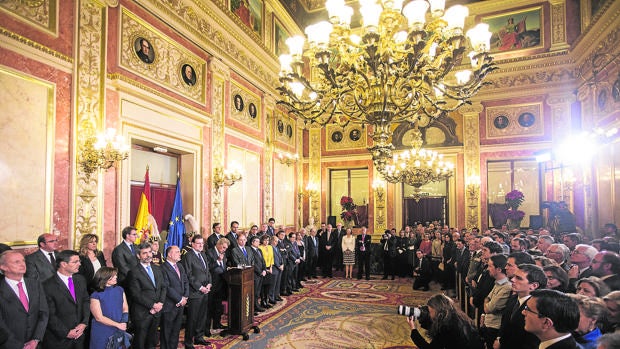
280	35
250	12
516	30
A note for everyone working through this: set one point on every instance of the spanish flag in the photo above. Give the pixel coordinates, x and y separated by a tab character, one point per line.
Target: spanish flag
142	224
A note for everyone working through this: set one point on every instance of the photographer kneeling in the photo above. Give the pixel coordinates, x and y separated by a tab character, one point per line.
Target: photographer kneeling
449	327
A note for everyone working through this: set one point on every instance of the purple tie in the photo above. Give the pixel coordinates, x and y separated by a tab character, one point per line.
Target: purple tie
363	248
22	295
71	288
176	268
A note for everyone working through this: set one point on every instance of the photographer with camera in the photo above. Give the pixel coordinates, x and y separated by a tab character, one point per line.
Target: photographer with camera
450	327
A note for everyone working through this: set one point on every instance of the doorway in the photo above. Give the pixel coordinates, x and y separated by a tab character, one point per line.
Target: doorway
426	210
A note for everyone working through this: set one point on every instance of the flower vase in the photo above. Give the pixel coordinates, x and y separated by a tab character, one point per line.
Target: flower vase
514	223
348	224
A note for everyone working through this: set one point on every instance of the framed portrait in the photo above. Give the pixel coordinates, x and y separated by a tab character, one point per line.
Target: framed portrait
189	74
355	135
289	131
252	110
280	34
601	99
280	126
501	122
144	50
250	12
516	30
526	119
337	137
239	104
615	90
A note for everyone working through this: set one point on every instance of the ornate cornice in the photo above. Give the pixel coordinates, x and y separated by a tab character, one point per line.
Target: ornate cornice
35	45
41	13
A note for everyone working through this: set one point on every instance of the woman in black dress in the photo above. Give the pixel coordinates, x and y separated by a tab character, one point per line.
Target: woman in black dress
451	328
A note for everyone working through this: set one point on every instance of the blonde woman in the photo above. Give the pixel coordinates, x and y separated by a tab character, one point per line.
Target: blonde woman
91	259
348	253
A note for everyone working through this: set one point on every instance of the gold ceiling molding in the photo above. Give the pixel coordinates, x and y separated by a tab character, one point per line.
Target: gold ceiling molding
43	14
312	5
118	81
216	36
35	45
529	77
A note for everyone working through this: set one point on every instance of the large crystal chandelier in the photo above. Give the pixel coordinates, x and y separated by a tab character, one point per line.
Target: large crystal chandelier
400	68
418	166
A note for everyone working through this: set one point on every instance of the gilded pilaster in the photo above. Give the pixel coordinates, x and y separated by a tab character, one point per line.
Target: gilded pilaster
560	114
89	113
270	103
379	188
221	74
558	25
471	145
314	174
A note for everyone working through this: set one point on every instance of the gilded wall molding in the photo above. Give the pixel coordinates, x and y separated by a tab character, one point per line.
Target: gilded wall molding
89	113
558	25
268	158
43	14
47	52
220	77
215	35
168	62
314	173
471	158
560	114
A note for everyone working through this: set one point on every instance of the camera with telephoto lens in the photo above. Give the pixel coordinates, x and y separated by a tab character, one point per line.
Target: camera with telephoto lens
418	313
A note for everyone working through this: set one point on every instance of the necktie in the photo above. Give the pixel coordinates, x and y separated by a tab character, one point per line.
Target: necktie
244	252
150	272
176	268
363	248
52	259
132	249
71	288
201	259
22	295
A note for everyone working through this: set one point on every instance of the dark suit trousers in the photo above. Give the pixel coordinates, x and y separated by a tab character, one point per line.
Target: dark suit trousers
311	267
328	261
170	328
258	285
145	335
216	309
274	290
363	263
196	318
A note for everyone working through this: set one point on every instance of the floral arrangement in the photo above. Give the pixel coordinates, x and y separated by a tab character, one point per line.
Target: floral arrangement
348	209
514	199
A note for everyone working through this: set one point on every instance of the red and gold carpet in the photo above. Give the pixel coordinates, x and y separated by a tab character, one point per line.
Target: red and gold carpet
334	313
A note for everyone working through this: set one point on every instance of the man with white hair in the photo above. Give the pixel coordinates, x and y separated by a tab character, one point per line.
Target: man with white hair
582	257
544	241
561	254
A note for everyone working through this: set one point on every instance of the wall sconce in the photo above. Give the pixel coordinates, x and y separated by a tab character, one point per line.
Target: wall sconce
473	187
378	186
103	152
287	158
225	178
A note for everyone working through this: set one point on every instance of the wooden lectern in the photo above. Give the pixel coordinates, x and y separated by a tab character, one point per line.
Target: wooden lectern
241	301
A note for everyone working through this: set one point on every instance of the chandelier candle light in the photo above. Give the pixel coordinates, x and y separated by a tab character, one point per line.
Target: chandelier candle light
400	68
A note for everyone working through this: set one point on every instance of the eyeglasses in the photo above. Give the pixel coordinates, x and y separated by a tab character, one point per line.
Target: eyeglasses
526	308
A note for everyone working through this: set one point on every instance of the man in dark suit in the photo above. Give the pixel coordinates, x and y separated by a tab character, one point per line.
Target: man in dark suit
147	290
327	243
271	229
312	253
124	255
41	264
232	237
219	288
68	302
338	257
292	262
215	236
552	316
260	270
606	265
176	298
512	334
196	265
276	270
362	252
240	255
422	271
388	246
23	317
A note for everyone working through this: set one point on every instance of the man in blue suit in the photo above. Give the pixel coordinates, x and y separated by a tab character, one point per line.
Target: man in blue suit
176	298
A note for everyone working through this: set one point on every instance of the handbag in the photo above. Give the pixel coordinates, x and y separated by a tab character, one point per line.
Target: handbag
119	340
441	266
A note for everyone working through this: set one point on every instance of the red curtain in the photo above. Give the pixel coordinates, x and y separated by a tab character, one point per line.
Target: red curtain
162	200
425	210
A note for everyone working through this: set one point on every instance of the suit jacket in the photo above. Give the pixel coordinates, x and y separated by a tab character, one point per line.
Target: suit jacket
142	292
21	325
64	312
198	274
312	248
237	257
332	241
218	286
178	286
212	240
277	257
365	242
39	267
124	260
257	261
87	270
566	343
462	261
512	329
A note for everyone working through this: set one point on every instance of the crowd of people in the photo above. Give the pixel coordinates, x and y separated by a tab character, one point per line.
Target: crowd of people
511	289
503	290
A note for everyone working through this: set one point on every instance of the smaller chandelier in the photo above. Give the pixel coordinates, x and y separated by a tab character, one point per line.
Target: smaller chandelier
417	166
103	152
287	158
225	178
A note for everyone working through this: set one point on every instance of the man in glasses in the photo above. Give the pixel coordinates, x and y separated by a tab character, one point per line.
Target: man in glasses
42	263
551	316
561	254
124	255
582	257
512	334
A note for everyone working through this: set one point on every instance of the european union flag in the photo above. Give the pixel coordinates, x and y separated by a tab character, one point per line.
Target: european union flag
176	228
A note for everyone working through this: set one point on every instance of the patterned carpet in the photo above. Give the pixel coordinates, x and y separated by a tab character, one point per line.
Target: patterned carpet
334	313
